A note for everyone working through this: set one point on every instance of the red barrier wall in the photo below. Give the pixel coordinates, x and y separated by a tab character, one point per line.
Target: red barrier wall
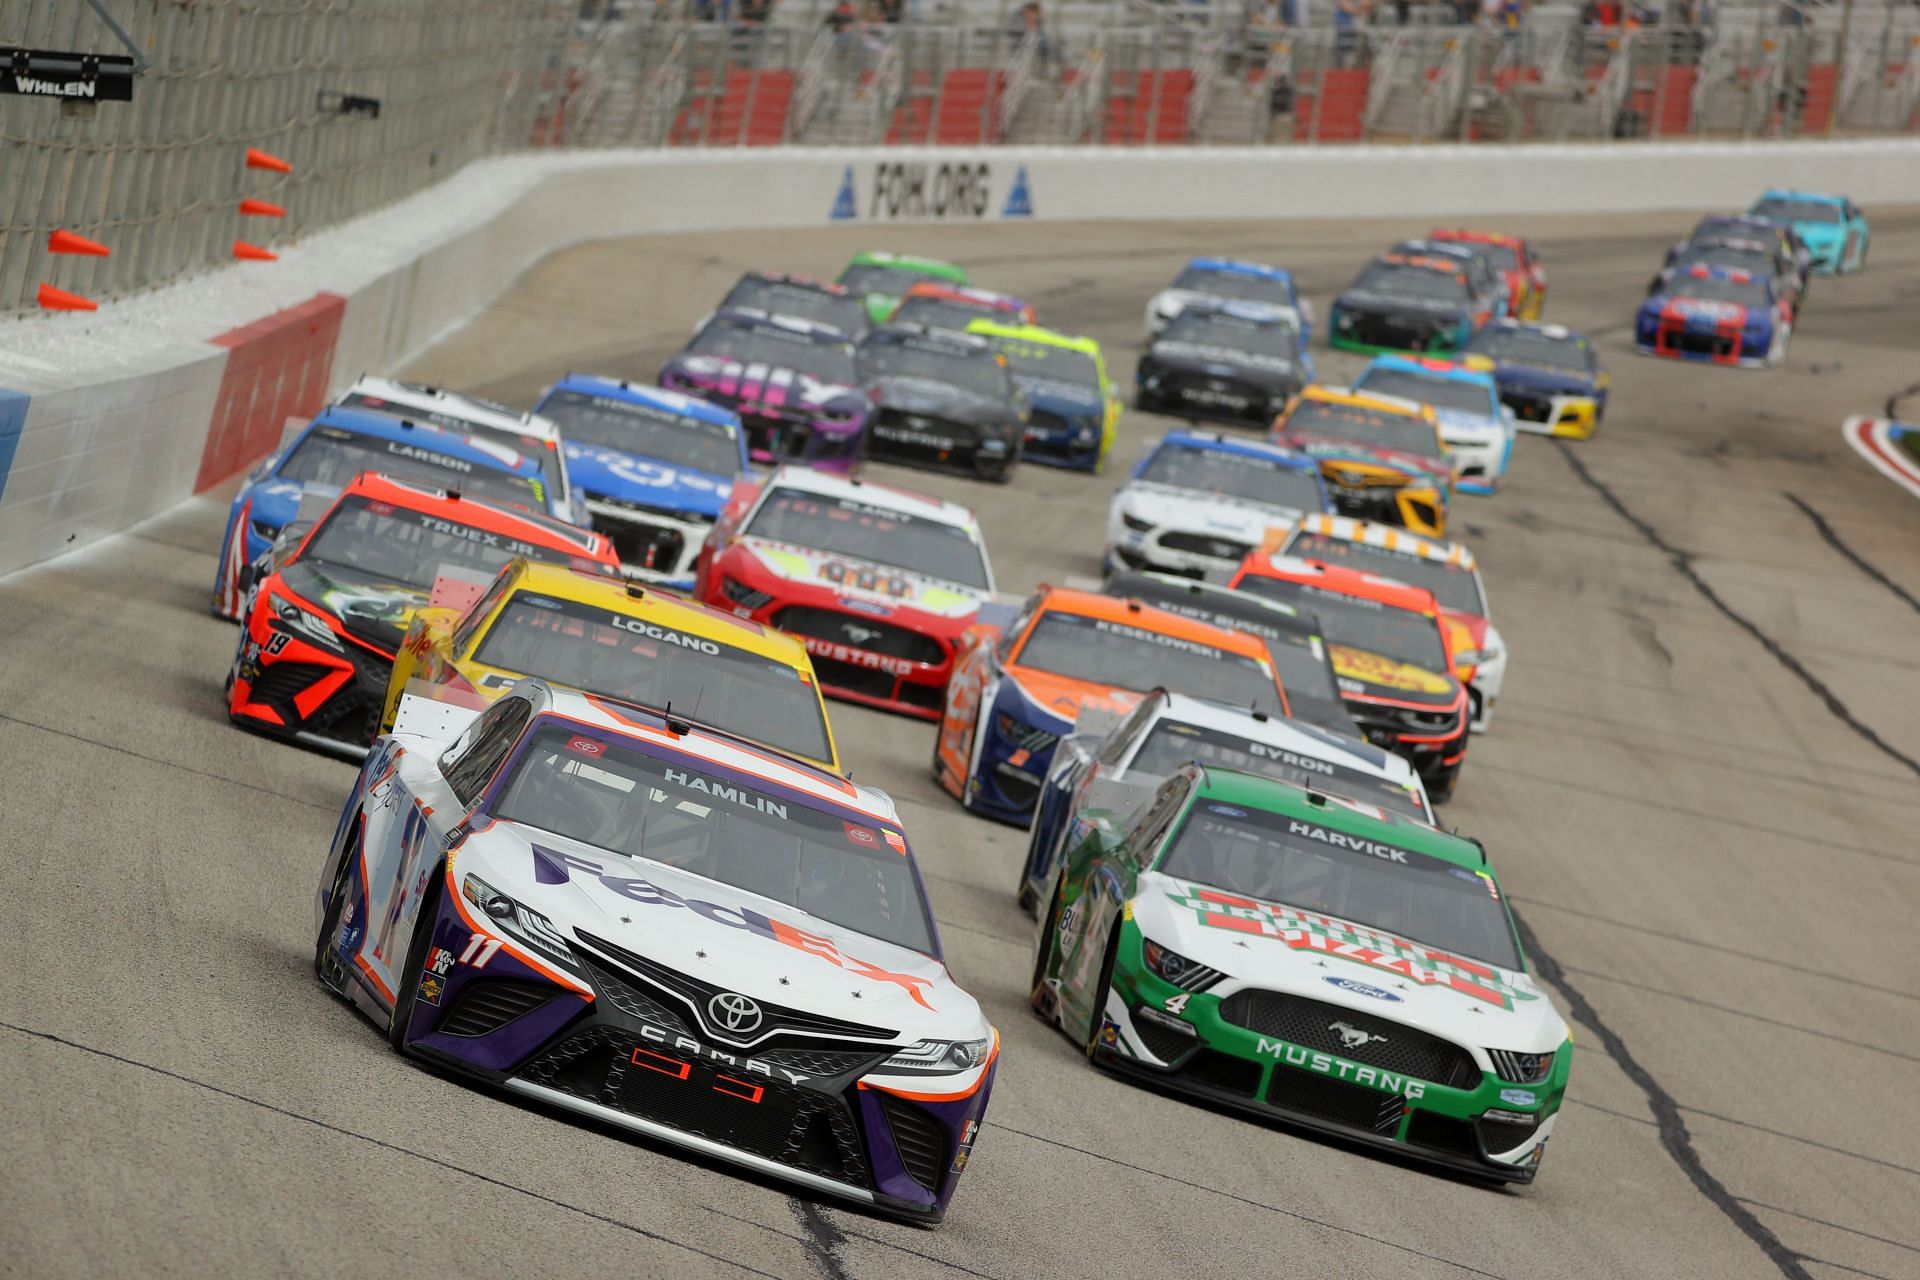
277	368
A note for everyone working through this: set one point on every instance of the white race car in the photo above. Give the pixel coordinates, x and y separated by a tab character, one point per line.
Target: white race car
611	910
1227	280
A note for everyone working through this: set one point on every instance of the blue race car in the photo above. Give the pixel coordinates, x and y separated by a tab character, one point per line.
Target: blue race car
340	444
655	466
1476	426
1548	375
1832	227
1225	280
1715	314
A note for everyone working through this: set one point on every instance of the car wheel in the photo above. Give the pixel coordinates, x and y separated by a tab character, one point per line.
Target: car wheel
1440	786
1039	994
326	956
1097	1010
405	991
966	779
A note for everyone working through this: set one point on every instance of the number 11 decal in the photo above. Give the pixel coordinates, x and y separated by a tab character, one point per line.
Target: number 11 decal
480	949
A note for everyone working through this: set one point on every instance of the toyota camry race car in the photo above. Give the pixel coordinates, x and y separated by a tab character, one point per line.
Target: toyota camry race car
317	461
880	583
1549	375
324	615
1477	428
1716	315
653	468
1073	411
1445	568
1114	757
944	400
1382	457
1198	503
945	306
879	279
1390	652
617	913
779	294
1519	268
1401	302
1238	361
1302	957
1831	227
793	383
653	648
1016	691
1224	280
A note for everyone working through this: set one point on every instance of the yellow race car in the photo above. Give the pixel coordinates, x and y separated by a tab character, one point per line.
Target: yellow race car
634	643
1382	456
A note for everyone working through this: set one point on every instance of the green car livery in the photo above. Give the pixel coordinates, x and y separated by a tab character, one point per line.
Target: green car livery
880	278
1308	959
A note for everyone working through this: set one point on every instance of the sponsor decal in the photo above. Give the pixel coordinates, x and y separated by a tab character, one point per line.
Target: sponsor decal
894	841
439	961
1351	987
431	989
859	657
643	628
917	189
861	836
968	1132
1159	638
680	1069
1225	810
727	791
1327	1064
1366	668
1519	1097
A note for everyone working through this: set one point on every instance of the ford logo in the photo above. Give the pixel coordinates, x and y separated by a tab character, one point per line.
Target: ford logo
1362	989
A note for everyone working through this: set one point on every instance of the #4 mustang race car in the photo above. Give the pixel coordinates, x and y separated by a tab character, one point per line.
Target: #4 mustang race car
1831	227
944	306
878	582
944	400
1402	302
879	279
1514	261
1477	428
324	615
654	468
1017	690
1198	503
1716	315
1382	457
1238	361
651	648
1549	375
792	382
1302	957
1112	763
333	449
1224	280
779	294
612	911
1073	410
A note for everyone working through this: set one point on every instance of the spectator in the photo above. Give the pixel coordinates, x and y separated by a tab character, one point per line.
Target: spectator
842	17
1602	13
1348	18
1464	11
1029	23
890	10
752	14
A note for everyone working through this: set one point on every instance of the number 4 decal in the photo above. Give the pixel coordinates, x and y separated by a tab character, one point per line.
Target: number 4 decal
480	949
1179	1002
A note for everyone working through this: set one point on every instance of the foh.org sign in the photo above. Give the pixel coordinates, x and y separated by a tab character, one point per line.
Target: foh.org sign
958	190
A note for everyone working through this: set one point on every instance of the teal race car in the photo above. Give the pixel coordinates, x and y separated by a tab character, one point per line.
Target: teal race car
1833	228
1307	959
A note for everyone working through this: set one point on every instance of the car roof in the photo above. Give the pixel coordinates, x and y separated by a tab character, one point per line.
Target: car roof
1368	400
666	608
1276	731
1132	613
1256	611
755	318
645	393
426	399
964	293
1433	367
874	494
1220	442
1425	261
1388	538
1344	581
967	344
1793	193
1233	266
908	261
788	277
1251	791
1707	271
1038	334
1444	234
426	435
479	513
1557	332
1240	308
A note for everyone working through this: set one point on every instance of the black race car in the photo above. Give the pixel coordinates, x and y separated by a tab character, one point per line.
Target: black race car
777	293
946	400
1758	258
1237	361
1484	277
1408	302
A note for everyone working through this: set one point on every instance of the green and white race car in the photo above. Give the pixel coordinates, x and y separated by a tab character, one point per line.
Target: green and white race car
1309	959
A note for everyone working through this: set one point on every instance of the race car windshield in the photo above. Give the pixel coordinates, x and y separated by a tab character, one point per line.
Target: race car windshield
830	362
1797	211
1356	623
332	457
1276	337
785	298
1500	257
1237	285
1409	281
1126	657
941	313
973	371
527	446
1172	743
1454	587
1235	475
1363	425
1531	347
886	281
1740	257
1050	363
1370	880
400	545
850	871
1748	293
621	656
1441	393
876	535
645	431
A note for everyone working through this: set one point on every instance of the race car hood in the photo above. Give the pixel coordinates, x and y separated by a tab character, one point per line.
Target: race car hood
941	400
771	387
1324	958
827	570
371	609
1335	449
1368	300
1068	399
1698	313
1380	676
1528	377
1470	625
1228	516
1224	362
1169	303
1063	697
737	940
630	477
1461	426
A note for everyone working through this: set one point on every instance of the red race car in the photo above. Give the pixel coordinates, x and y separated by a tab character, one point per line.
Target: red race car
1519	266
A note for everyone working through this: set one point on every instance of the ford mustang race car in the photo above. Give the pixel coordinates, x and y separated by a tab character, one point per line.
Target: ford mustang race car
1484	279
793	383
1390	652
1382	457
1298	956
1224	280
879	279
1133	754
653	468
1402	302
1519	268
614	912
878	582
1757	257
591	632
1477	428
324	614
1073	410
1712	314
944	400
1017	691
1831	227
945	306
1198	503
1239	361
1445	568
1549	375
338	445
779	294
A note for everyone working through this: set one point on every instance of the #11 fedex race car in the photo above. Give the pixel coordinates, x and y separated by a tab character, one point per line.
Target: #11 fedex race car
792	382
1297	956
1199	502
614	912
1715	315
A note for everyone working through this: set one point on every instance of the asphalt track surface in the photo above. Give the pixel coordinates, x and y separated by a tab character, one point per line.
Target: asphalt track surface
1700	788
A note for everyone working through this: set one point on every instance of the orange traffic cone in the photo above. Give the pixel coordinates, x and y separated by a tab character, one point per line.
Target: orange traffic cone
253	252
258	159
261	209
60	300
68	242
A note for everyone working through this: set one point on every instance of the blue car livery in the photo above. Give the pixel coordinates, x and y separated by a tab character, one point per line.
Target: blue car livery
1477	427
1549	375
1717	315
655	467
1832	227
1225	279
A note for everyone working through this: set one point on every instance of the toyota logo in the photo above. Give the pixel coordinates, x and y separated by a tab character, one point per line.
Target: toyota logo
731	1011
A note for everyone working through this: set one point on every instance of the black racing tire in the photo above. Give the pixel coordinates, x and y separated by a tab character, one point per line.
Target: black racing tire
1097	1013
1441	785
326	961
405	991
1042	953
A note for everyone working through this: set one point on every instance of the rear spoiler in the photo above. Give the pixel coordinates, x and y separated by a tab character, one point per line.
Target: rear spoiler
1098	722
457	588
435	711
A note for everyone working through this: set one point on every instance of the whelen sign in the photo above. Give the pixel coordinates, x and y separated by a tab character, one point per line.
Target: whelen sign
84	77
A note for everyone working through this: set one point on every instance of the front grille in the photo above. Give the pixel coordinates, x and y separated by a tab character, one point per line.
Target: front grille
1337	1101
641	545
1443	1133
860	632
1164	1043
634	1002
279	683
1399	332
1201	544
1700	344
484	1007
1529	408
846	677
1377	504
1390	1046
825	1062
1042	424
920	1139
777	436
1215	1070
1224	396
1501	1136
1020	793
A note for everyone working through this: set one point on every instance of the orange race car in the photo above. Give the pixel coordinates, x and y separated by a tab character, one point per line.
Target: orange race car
1519	266
955	306
1390	655
1017	690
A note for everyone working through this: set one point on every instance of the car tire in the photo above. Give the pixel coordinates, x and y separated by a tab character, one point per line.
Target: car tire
1096	1013
1039	995
326	959
1440	787
406	989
